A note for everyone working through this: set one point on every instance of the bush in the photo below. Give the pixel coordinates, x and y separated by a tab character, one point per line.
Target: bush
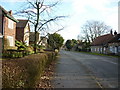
12	54
20	45
25	72
22	50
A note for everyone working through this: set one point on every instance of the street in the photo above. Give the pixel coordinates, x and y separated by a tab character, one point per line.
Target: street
81	70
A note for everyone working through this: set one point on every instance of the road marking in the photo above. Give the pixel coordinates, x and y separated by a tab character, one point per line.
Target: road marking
98	83
109	61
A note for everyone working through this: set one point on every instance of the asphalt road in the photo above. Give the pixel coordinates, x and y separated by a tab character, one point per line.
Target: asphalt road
80	70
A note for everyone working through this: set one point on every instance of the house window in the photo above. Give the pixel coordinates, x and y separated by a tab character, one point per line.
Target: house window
118	48
115	49
104	48
111	48
98	49
91	49
10	40
95	49
10	24
101	49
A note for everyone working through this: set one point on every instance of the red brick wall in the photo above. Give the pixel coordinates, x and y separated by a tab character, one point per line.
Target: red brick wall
7	30
19	34
1	21
0	45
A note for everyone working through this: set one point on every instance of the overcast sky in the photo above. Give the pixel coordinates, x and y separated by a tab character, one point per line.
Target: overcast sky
79	12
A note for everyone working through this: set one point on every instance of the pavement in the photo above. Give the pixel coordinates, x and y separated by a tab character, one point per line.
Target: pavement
81	70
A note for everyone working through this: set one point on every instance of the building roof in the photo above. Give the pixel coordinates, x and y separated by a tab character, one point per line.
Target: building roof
102	40
7	14
21	23
116	38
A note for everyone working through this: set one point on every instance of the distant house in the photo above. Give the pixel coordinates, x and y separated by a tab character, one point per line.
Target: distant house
32	37
114	45
100	44
23	31
7	26
43	41
80	46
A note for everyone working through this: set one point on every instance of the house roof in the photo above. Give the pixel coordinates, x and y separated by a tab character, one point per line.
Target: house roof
116	38
7	14
21	23
102	40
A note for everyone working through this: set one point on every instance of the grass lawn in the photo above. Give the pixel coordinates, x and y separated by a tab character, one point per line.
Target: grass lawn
97	54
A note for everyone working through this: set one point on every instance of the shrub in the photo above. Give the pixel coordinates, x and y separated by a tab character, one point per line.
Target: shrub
20	45
25	72
12	54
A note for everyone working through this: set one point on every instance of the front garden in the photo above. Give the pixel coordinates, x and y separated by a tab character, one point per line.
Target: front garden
21	68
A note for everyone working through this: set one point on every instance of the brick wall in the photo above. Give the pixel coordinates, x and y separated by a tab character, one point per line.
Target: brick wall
8	31
0	21
19	34
0	45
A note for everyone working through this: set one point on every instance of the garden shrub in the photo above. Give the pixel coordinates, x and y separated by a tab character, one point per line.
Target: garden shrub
20	45
25	72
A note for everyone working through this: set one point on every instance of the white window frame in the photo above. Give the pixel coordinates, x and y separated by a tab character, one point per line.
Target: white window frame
11	40
10	24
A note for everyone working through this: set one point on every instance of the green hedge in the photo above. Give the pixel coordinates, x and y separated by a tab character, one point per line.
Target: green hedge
25	72
15	53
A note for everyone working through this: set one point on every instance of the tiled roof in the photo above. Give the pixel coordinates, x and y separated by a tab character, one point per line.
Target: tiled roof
101	40
7	14
116	38
21	23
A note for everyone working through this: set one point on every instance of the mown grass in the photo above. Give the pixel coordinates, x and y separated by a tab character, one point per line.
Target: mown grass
25	72
97	54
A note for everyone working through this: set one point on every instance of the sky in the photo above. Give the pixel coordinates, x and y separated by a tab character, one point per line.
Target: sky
79	11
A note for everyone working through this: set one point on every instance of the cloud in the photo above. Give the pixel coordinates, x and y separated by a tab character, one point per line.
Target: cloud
83	10
13	0
70	32
28	0
81	6
104	10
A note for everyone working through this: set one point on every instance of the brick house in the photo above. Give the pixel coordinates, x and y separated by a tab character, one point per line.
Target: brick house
100	44
44	41
23	31
7	26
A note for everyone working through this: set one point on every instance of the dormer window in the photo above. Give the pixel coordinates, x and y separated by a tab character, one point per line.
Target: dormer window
10	24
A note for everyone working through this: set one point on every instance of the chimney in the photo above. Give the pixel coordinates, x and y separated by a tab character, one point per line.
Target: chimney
115	33
10	12
111	31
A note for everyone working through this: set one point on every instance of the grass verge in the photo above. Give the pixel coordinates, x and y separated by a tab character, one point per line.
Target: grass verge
97	54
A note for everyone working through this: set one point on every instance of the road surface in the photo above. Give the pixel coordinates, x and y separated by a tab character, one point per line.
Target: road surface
80	70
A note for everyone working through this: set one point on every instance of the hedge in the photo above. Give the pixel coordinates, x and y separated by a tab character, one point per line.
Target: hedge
15	53
25	72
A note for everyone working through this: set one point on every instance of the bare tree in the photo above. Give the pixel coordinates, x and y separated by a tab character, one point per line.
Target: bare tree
38	13
93	29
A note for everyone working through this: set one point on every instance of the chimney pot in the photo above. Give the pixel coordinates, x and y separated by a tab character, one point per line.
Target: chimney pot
115	33
111	32
10	12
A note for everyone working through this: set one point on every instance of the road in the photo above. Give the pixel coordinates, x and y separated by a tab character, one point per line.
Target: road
81	70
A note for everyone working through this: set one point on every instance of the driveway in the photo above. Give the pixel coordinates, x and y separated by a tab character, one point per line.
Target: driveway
81	70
